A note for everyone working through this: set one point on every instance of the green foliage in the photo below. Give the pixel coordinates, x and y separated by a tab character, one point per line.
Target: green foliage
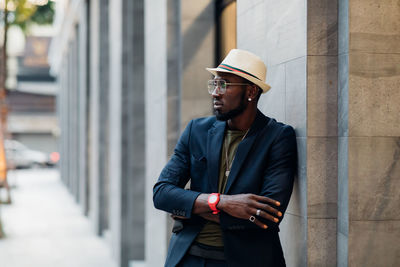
44	14
23	12
26	13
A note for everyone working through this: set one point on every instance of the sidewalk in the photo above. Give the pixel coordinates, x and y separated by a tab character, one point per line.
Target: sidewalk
44	226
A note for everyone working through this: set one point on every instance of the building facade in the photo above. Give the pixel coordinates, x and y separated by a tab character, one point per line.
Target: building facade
131	75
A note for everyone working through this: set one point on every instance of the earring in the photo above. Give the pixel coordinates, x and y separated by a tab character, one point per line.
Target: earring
249	99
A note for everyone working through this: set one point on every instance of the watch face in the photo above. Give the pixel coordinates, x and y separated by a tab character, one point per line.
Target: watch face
213	198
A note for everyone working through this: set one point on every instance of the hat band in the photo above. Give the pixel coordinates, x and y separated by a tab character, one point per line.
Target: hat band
227	67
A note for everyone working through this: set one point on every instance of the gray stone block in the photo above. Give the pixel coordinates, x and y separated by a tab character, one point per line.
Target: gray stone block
374	28
272	103
374	94
243	6
322	27
343	26
293	237
298	201
278	30
322	96
374	243
374	172
296	95
321	242
322	177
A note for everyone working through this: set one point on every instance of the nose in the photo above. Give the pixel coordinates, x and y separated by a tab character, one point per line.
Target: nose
216	92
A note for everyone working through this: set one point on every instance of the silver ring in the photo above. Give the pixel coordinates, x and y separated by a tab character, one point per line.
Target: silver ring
258	212
252	218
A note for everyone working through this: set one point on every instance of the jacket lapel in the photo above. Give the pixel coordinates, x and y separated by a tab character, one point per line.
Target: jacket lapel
215	139
244	148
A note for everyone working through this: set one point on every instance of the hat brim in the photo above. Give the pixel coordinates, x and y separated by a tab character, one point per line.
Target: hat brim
264	87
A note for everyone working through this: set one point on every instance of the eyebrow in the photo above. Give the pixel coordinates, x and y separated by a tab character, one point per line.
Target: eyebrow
222	78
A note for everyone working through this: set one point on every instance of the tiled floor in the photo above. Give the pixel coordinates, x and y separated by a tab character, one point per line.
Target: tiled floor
45	226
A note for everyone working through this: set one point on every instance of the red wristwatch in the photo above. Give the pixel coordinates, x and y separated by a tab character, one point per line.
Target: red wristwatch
213	200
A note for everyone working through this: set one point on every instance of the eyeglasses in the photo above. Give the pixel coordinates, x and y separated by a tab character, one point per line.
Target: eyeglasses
220	86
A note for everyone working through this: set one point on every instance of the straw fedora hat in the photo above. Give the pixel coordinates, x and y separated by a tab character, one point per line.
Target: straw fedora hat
244	64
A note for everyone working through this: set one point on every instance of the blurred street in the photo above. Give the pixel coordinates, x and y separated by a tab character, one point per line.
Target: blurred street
45	227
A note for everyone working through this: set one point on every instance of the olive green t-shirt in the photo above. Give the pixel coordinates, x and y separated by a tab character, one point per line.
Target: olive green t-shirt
211	233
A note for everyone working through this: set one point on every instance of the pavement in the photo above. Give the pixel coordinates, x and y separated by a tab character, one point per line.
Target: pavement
45	227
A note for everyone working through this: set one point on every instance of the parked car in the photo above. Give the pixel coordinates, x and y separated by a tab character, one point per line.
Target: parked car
20	156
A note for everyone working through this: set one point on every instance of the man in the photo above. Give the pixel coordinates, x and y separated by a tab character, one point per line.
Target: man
241	165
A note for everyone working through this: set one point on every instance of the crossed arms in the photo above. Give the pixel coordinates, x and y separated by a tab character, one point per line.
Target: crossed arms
170	196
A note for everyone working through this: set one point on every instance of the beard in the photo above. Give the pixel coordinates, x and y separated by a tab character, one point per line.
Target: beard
234	112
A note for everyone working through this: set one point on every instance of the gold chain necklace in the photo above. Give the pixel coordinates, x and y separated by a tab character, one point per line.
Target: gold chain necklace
227	165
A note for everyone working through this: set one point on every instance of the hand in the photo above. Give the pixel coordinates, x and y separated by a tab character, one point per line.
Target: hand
245	205
210	217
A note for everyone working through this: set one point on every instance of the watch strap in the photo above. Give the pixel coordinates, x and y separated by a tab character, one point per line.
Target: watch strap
213	204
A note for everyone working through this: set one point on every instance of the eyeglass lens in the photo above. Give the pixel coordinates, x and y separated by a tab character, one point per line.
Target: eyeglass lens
219	85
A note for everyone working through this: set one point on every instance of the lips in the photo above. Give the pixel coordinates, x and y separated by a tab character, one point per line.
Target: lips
217	104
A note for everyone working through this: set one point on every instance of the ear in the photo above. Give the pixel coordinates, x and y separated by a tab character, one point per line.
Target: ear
252	91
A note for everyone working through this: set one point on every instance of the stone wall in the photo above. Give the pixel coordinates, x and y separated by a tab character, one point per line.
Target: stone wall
333	67
369	143
279	36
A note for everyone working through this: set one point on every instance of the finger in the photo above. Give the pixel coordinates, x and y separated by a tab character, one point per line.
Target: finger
260	224
267	200
269	209
267	216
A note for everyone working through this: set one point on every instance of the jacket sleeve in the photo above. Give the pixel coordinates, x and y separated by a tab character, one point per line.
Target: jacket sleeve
278	179
169	193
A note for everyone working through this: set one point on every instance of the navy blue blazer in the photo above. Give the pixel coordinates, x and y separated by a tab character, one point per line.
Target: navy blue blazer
265	164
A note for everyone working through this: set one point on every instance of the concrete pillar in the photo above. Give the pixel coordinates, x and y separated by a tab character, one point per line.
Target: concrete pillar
69	116
174	71
62	101
322	145
59	101
83	110
157	94
65	98
174	82
99	97
75	116
115	126
127	130
297	40
94	110
103	118
72	115
369	131
198	52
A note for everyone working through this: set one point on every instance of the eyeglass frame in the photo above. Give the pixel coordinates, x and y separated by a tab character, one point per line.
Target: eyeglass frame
222	90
